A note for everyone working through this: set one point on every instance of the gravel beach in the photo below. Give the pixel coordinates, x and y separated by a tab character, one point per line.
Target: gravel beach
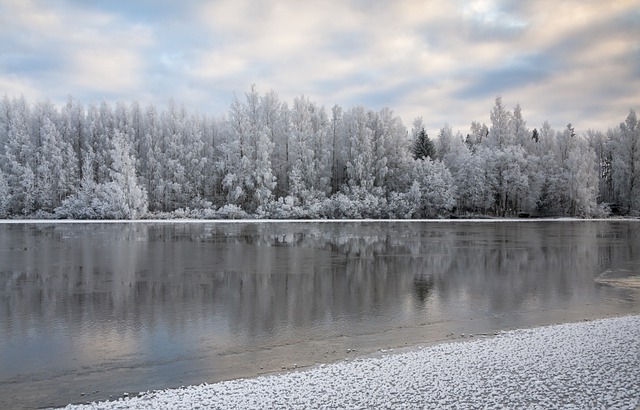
587	365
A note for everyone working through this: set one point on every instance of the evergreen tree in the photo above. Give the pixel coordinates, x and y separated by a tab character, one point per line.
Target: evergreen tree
422	146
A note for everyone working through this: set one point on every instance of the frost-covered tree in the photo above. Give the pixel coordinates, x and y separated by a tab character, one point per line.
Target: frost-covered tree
625	142
211	138
122	197
581	180
5	198
267	159
432	192
397	151
176	187
102	145
73	131
5	115
19	159
438	190
338	150
360	150
601	147
478	132
80	205
152	155
519	130
265	181
516	180
276	119
247	168
443	142
56	170
194	161
500	132
473	181
379	124
570	184
307	155
231	153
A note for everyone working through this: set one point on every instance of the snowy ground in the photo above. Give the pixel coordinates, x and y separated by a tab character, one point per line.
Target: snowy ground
241	221
578	365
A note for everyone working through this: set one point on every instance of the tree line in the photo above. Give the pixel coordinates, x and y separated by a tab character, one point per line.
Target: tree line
267	159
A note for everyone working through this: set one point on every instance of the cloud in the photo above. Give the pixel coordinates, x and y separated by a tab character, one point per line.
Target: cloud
64	48
514	74
444	61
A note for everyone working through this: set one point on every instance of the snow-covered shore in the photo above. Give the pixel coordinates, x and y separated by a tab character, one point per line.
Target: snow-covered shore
586	365
241	221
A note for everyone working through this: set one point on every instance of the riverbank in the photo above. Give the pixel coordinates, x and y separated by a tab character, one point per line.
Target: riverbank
593	364
306	221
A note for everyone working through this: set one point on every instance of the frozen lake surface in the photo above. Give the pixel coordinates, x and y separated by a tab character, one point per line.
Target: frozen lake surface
91	310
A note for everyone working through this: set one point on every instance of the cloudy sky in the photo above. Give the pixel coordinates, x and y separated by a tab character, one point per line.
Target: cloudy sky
565	61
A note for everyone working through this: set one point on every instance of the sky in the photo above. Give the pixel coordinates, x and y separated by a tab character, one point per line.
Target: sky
567	61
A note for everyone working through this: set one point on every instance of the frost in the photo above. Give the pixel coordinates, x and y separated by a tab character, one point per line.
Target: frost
272	161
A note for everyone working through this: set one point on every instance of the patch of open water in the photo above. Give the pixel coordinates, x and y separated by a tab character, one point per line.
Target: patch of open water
92	310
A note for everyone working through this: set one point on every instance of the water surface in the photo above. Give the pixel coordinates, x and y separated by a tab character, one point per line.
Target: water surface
92	310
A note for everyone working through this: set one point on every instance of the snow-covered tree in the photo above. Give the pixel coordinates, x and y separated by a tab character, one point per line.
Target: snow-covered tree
570	185
152	155
360	155
73	132
443	142
122	197
19	159
478	132
516	180
5	199
56	170
380	124
308	181
397	153
275	117
500	132
626	162
600	145
582	181
432	192
519	130
473	181
266	159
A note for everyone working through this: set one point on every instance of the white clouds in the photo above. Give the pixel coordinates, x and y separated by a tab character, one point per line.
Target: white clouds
425	58
488	13
110	69
79	51
217	65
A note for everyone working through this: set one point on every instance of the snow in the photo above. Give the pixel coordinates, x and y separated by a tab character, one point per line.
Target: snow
253	221
578	365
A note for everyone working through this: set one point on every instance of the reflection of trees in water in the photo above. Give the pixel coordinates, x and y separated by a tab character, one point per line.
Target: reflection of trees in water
422	287
268	280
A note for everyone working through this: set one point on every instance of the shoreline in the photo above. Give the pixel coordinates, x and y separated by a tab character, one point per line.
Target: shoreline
306	221
302	356
514	364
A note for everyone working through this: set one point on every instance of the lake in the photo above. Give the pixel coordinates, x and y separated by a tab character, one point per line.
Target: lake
91	310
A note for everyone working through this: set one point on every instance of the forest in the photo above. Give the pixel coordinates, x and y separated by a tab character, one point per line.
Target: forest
265	158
